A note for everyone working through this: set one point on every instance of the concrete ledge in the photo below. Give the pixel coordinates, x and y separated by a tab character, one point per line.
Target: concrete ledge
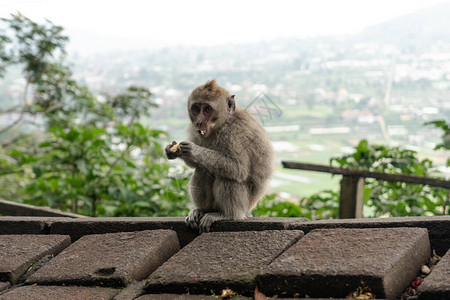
78	228
11	208
438	227
23	225
258	224
91	232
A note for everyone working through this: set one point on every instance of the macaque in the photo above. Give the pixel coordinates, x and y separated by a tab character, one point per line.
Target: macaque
231	154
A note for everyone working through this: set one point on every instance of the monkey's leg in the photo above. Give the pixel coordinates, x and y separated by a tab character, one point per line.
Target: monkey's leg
200	189
231	200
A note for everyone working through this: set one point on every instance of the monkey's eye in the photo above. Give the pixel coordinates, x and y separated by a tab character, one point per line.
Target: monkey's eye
195	109
207	109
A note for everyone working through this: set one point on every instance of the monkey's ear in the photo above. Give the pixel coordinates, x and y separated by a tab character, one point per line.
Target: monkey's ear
231	104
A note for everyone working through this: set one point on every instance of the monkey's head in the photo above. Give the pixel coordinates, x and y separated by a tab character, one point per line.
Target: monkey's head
209	106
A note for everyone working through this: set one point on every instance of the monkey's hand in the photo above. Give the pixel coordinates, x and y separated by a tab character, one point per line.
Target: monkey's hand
190	151
173	150
193	219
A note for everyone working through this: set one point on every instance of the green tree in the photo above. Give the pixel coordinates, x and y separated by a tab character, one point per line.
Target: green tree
94	156
445	143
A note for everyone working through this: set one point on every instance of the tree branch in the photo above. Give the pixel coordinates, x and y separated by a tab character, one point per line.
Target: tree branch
22	113
9	142
10	110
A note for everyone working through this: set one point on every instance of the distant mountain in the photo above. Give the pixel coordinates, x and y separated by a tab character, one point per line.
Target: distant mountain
417	31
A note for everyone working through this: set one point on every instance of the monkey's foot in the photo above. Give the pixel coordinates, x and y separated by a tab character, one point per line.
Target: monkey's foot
208	219
193	219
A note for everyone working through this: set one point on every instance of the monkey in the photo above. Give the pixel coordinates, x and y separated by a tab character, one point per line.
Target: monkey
231	154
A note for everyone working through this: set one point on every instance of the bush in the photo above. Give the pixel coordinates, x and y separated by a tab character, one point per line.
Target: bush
381	198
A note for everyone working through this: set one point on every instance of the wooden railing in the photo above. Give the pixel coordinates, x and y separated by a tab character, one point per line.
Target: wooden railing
352	184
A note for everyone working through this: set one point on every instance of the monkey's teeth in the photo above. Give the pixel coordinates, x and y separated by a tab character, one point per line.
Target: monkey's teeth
202	132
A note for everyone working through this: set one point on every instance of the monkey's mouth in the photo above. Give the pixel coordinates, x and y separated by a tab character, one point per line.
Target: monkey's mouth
204	130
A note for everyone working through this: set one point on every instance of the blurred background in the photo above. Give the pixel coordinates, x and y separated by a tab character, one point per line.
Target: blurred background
361	84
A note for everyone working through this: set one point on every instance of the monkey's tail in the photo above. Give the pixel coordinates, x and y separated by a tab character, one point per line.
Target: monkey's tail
256	193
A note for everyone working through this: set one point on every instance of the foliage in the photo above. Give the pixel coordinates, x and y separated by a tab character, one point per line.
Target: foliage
83	169
322	205
95	157
383	159
385	198
32	45
445	143
381	198
270	206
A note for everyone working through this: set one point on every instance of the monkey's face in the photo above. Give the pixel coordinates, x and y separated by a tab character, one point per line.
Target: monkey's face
210	105
204	117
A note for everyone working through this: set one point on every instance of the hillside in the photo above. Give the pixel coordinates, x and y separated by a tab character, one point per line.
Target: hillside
416	31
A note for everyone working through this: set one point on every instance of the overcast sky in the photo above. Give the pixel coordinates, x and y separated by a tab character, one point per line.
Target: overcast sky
96	23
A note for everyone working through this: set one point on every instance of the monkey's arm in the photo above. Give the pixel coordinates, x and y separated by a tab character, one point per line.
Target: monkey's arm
215	162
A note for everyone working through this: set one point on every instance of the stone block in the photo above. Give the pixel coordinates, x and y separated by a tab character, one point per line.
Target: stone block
77	228
113	259
59	292
218	260
4	286
205	297
438	227
185	297
132	291
436	286
22	225
257	224
11	208
19	252
335	262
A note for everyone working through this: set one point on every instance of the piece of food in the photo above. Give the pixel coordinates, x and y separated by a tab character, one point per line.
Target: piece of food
227	293
175	147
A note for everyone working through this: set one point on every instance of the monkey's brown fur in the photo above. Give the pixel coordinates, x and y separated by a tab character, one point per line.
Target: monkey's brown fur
231	154
209	91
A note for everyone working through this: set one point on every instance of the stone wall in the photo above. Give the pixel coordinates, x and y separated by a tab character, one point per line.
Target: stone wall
160	258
